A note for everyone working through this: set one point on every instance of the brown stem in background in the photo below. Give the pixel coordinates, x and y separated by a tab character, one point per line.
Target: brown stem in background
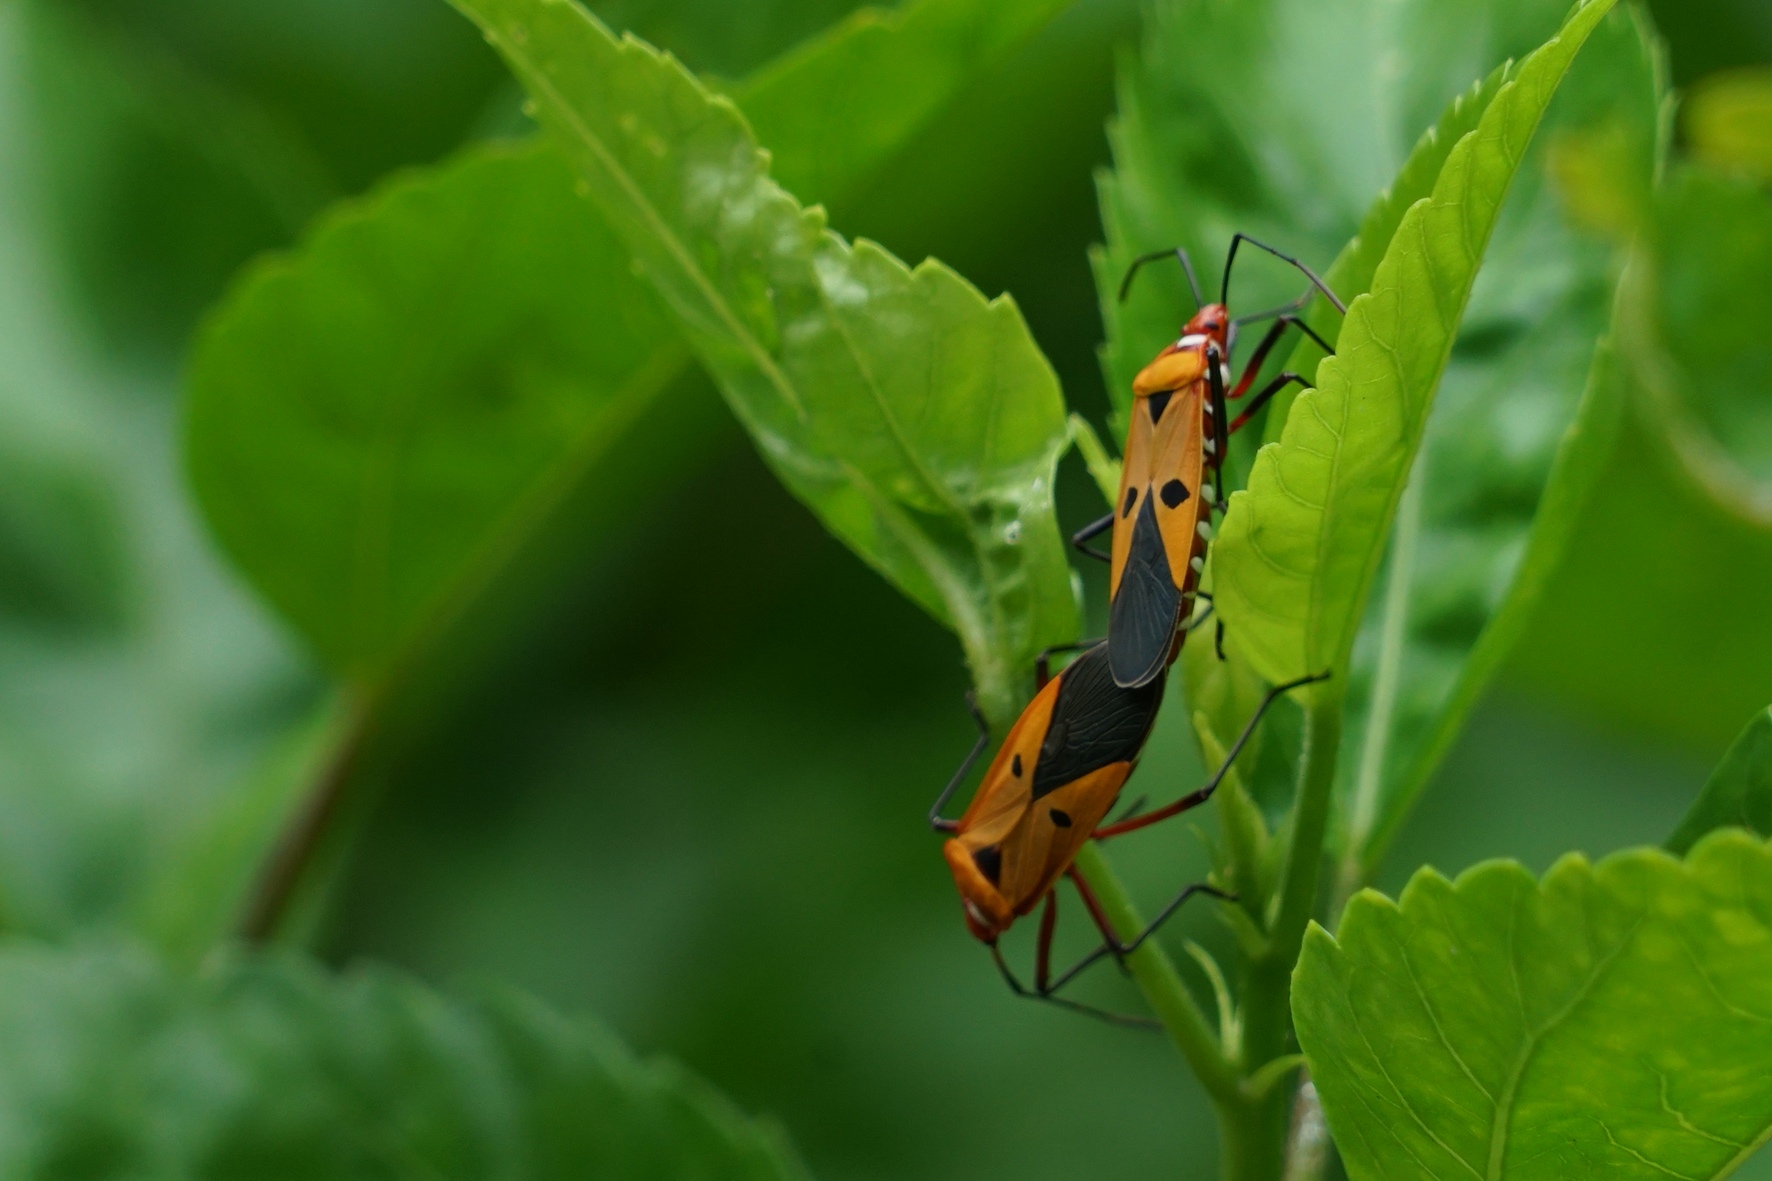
304	833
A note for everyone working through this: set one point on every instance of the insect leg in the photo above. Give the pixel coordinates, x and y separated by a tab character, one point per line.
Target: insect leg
1093	529
1113	944
1237	239
1043	662
1187	268
1064	1002
1259	357
1269	390
1196	798
1043	948
936	820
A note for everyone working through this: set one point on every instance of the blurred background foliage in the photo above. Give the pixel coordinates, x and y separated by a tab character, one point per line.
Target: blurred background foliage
695	808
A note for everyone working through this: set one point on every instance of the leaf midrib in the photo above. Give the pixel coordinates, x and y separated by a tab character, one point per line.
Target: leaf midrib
1504	1105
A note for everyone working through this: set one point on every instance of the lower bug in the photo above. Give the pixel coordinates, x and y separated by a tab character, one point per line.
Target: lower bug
1047	791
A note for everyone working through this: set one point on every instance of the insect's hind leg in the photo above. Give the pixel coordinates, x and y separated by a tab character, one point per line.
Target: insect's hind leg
1045	989
1111	943
1195	798
1259	400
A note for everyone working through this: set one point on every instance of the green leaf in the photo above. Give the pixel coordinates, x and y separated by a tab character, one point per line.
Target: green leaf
1738	792
1679	526
375	486
1301	545
1611	1020
269	1067
831	111
1709	242
914	416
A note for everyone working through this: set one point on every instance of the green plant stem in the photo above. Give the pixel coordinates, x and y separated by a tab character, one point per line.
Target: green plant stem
1155	974
1254	1148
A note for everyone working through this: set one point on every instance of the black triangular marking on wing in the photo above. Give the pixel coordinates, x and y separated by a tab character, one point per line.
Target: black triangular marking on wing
1159	403
1146	608
1094	723
990	863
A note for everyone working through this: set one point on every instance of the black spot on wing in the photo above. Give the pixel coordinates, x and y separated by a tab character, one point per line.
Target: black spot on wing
1059	817
1015	765
1094	723
1157	403
1174	493
1143	616
1131	499
990	863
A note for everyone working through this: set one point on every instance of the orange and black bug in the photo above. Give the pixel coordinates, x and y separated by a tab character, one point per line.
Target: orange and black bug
1048	790
1172	467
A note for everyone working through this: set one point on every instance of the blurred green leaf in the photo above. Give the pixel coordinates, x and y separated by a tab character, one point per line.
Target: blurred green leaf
266	1066
356	87
376	425
1738	792
159	185
61	561
1301	545
918	419
139	681
1609	1021
1710	248
1678	531
832	110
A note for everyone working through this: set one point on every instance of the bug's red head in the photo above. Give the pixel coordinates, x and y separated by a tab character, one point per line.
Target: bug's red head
1211	321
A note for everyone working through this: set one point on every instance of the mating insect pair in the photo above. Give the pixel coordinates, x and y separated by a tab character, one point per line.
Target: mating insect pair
1064	762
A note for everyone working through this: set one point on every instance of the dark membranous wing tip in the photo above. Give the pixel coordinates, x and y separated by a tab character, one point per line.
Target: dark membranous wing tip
1094	722
1143	615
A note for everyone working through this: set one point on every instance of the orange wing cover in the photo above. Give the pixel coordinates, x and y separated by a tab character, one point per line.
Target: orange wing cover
1017	838
1157	517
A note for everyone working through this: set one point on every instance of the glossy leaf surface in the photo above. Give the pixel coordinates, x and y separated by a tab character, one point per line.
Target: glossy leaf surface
914	416
1611	1020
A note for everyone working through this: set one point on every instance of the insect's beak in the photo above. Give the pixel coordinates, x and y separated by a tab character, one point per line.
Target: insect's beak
979	923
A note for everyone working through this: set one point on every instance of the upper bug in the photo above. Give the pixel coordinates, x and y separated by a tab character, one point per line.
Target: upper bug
1172	465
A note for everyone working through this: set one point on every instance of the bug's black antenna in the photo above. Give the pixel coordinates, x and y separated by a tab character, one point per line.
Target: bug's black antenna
1237	239
1187	268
